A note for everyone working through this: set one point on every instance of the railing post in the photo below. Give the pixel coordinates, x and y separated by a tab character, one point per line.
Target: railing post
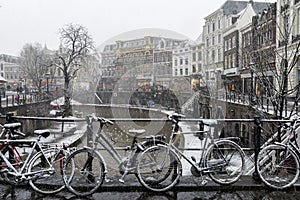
257	134
89	131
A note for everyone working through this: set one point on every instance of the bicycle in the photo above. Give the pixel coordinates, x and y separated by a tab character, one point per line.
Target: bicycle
278	163
41	163
223	160
10	131
90	166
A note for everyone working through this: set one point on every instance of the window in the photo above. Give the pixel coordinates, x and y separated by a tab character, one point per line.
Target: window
186	61
219	54
219	38
194	57
207	42
213	26
175	62
199	56
181	61
176	71
181	72
233	42
233	60
194	69
213	55
213	40
199	67
186	71
219	23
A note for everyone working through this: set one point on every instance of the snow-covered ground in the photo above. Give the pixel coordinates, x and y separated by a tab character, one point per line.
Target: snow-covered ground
190	141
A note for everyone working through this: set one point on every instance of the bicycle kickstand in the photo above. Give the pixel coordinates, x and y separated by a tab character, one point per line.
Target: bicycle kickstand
121	180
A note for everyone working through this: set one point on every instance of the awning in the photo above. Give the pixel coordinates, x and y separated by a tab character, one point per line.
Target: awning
2	80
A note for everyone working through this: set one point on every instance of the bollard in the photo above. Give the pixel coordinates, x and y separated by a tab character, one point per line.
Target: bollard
257	133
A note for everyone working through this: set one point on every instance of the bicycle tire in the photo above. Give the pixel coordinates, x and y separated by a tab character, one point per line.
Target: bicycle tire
48	182
144	145
278	166
225	162
154	166
88	172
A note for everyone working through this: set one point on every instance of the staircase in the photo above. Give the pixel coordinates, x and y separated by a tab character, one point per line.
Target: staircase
250	160
188	105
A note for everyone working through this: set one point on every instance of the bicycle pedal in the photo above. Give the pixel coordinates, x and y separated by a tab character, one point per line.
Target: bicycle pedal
204	182
121	180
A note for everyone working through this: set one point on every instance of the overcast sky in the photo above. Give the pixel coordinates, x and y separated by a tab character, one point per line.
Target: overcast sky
30	21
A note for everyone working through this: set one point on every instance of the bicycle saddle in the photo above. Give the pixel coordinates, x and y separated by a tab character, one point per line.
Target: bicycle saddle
12	125
44	133
137	131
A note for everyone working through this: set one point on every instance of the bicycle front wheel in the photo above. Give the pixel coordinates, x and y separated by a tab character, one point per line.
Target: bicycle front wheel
225	162
278	166
159	168
87	174
46	171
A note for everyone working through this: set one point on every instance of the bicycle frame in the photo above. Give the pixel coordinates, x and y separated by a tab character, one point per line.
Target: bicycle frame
124	167
104	142
200	167
21	172
13	151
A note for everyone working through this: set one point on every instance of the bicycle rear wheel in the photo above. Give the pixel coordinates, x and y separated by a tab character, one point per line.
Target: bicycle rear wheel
278	166
159	168
87	174
225	162
47	175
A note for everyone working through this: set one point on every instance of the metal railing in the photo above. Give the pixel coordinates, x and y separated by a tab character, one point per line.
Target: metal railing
261	131
19	99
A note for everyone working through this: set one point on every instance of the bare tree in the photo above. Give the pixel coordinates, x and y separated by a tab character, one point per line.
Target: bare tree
76	45
34	63
273	61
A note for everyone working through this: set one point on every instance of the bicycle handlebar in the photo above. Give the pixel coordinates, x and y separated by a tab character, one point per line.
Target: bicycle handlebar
92	118
175	117
103	120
